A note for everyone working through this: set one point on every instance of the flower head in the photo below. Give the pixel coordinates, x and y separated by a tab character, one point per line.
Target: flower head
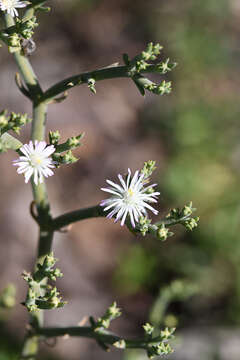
11	5
36	161
129	198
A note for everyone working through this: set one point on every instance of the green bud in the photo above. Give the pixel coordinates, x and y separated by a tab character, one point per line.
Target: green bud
14	40
148	168
167	333
69	158
165	67
144	223
12	122
91	85
187	210
56	273
164	88
3	122
113	311
148	329
53	303
50	300
49	261
54	137
191	223
105	323
121	344
163	232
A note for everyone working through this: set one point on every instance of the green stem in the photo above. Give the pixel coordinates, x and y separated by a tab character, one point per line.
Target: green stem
103	336
30	347
110	72
97	211
25	67
77	215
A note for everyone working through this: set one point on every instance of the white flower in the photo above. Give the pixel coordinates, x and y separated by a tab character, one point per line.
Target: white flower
36	161
11	5
129	198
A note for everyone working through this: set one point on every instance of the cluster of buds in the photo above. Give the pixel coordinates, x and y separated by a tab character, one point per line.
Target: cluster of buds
12	40
12	122
183	216
66	147
158	345
51	299
163	88
40	295
142	63
148	168
112	313
67	158
147	171
160	230
163	232
22	30
47	269
26	28
144	223
176	216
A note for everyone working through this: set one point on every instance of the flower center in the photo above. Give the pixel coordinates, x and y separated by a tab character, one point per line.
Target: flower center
35	160
130	197
130	192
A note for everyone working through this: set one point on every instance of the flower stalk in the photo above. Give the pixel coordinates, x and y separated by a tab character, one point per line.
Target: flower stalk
30	347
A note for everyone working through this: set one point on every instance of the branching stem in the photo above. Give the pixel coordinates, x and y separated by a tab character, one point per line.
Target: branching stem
103	336
77	215
109	72
30	347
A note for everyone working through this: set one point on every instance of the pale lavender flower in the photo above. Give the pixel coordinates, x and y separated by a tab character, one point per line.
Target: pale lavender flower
36	162
129	198
11	5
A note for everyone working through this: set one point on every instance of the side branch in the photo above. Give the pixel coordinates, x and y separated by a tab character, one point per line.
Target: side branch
77	215
159	229
110	72
103	336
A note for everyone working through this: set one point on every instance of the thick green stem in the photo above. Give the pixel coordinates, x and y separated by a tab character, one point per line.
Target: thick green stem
110	72
25	67
30	347
104	336
77	215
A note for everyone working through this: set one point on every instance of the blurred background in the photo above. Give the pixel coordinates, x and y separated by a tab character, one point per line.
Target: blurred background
192	281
